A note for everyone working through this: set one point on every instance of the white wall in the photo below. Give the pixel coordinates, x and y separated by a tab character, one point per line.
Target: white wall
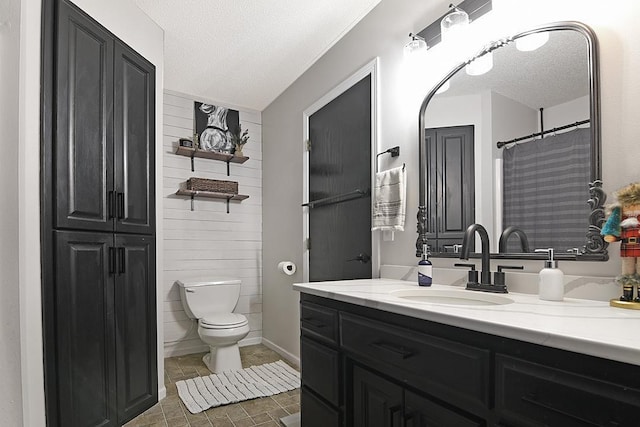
382	33
10	388
208	242
127	22
568	112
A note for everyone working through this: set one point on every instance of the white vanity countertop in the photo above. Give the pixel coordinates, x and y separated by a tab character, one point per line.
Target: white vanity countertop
582	326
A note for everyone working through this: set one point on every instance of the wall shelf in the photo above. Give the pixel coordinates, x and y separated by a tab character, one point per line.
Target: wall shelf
213	155
211	195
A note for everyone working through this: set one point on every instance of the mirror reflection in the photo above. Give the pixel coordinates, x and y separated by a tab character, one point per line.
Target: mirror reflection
513	148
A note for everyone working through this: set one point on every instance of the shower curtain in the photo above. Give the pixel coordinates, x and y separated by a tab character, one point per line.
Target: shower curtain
546	188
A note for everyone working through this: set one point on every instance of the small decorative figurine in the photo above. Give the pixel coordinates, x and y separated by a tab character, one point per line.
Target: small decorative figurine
623	225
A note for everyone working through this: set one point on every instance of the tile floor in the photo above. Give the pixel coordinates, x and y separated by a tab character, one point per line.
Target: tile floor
265	411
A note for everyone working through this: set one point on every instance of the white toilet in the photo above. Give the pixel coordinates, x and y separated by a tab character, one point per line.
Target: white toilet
212	301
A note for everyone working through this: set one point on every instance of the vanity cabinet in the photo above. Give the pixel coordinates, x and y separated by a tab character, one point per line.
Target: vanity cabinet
367	367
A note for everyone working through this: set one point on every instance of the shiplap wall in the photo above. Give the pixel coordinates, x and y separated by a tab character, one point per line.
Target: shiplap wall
208	242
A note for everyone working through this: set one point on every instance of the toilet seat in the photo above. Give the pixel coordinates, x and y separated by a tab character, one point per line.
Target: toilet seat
223	321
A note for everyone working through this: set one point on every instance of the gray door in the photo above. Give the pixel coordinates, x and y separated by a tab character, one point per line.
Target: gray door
340	187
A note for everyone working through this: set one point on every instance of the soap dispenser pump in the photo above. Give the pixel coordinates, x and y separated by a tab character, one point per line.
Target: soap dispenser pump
425	269
551	279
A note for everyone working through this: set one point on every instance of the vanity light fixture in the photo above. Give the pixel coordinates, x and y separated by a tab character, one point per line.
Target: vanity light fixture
532	41
415	49
452	26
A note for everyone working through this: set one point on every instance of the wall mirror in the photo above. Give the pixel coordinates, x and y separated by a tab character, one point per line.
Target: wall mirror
516	149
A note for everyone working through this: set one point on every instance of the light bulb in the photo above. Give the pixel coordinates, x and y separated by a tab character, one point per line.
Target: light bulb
415	47
453	24
532	41
480	65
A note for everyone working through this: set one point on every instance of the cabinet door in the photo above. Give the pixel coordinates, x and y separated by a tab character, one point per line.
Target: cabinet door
83	142
85	348
422	412
455	208
135	306
450	184
134	117
376	401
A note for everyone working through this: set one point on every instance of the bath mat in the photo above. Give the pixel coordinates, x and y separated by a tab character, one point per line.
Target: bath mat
202	393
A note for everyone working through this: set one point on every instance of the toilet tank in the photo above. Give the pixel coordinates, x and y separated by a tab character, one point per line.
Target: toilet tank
205	296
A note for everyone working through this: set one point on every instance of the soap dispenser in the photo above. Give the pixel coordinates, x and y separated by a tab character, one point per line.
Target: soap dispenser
425	269
551	279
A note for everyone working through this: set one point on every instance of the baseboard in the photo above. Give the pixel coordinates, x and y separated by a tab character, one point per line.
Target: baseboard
173	350
249	341
162	393
281	351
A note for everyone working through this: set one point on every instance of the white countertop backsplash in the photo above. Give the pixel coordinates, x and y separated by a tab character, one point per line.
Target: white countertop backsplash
585	326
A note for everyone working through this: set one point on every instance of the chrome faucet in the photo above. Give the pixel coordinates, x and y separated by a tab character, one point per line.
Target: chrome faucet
485	273
507	232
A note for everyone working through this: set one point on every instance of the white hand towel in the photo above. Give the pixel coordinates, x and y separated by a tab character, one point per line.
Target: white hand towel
389	208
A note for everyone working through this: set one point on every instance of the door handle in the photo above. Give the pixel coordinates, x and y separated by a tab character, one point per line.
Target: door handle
112	260
120	205
362	257
111	203
122	261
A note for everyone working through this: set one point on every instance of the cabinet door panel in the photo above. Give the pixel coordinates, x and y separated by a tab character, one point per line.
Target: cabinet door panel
376	401
84	330
422	412
83	143
321	374
134	116
530	394
135	302
315	413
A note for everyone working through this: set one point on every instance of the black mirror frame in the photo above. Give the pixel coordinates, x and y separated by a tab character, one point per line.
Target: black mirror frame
595	248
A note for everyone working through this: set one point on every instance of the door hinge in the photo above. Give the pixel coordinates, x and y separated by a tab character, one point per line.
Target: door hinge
308	243
308	145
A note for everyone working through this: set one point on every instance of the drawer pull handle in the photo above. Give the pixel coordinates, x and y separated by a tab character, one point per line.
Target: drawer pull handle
314	322
403	352
531	400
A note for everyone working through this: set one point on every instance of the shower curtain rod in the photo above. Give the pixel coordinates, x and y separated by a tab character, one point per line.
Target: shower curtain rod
544	132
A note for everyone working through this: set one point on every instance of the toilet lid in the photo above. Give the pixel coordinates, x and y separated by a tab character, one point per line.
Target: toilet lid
223	321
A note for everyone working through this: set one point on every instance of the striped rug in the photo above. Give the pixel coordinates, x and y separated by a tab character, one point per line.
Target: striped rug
202	393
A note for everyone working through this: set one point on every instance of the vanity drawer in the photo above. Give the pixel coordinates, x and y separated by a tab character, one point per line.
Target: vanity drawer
531	394
319	321
450	370
321	374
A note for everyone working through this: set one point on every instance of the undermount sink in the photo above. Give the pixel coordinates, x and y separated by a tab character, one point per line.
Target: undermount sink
451	297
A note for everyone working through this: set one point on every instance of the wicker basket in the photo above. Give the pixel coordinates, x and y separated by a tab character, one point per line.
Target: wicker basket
213	185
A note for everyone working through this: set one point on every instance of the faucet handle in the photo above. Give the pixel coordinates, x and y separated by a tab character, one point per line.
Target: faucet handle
473	274
498	276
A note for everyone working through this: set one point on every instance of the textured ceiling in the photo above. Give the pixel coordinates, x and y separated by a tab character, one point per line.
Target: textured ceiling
555	73
246	52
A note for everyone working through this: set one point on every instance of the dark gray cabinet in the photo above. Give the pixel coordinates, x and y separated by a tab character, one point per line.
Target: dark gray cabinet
104	141
98	223
85	329
377	402
450	185
393	370
105	288
135	324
